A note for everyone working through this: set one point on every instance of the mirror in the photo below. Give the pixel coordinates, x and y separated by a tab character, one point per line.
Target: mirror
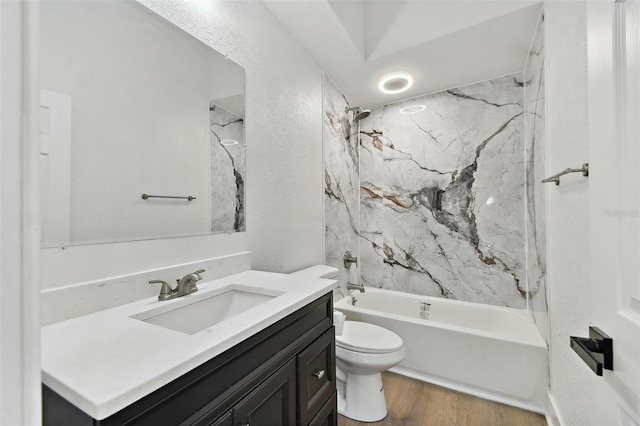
133	105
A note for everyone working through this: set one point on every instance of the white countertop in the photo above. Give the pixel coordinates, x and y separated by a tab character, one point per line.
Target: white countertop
105	361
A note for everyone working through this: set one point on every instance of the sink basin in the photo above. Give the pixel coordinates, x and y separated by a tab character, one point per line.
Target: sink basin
200	311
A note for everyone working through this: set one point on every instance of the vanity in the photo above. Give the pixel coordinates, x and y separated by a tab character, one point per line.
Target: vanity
272	363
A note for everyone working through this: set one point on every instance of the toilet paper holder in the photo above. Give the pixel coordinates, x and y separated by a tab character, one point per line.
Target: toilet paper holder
596	350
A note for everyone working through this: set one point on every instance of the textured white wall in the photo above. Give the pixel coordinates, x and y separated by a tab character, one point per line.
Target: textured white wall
11	351
283	126
20	383
284	153
567	207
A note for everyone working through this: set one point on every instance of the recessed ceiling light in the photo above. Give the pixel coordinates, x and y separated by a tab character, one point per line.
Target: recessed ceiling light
413	109
228	142
395	82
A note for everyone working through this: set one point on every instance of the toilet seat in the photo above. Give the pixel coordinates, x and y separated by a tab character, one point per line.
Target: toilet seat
368	338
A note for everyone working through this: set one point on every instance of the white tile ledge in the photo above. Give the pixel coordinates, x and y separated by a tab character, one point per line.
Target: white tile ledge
105	361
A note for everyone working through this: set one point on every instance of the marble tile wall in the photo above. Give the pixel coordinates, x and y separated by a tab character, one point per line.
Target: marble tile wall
535	190
439	196
442	194
227	165
341	182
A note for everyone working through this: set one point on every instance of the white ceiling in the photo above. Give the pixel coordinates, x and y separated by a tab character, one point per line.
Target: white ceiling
444	44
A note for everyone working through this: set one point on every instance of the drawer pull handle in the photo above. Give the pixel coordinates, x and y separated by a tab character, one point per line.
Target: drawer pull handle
319	374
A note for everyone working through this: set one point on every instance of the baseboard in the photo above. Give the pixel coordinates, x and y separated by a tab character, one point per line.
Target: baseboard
552	416
468	390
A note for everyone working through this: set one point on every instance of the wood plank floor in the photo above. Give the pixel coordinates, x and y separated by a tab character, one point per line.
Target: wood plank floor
415	403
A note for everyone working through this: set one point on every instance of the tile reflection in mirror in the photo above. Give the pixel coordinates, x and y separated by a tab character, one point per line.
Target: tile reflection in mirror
227	170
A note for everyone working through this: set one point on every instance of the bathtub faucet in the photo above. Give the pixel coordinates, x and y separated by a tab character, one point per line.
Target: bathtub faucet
348	259
351	286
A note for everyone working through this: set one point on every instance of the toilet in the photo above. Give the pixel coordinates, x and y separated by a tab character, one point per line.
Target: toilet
363	352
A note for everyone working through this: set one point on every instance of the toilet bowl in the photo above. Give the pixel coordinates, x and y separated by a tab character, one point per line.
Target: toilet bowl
363	352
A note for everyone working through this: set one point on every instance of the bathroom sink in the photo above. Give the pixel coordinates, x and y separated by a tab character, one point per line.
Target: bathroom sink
201	311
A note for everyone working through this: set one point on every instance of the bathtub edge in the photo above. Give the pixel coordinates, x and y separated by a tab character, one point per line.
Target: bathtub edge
491	396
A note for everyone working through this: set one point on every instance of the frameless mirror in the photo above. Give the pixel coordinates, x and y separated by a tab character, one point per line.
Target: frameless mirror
133	105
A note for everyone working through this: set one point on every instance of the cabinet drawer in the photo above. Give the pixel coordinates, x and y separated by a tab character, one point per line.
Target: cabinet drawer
316	376
328	414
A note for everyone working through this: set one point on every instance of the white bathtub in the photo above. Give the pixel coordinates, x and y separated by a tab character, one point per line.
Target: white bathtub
489	351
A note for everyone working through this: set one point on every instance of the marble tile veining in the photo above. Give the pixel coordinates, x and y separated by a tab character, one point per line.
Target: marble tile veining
442	195
443	201
227	165
341	181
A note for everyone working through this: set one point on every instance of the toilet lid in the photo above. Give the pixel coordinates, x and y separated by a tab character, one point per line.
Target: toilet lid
369	338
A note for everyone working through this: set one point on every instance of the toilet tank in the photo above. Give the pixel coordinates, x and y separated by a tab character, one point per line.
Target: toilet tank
318	271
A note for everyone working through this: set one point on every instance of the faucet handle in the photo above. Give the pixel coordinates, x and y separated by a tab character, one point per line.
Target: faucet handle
166	292
348	259
196	273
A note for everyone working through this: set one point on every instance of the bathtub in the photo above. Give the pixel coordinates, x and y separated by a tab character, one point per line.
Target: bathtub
489	351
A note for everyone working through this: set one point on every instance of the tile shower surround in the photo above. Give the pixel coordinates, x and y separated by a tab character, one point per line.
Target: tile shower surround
535	172
441	192
341	182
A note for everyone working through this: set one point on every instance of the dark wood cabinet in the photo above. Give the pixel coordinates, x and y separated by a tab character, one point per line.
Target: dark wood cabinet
283	375
272	403
328	414
225	420
316	375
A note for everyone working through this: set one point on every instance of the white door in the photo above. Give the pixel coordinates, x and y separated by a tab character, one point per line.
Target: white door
614	194
55	166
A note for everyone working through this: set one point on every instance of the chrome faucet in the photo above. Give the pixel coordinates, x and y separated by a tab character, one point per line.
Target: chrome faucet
348	259
186	285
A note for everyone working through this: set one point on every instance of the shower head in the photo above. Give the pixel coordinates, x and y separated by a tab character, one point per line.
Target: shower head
360	113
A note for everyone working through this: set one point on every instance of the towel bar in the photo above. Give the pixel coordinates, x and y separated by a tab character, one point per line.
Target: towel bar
556	178
147	196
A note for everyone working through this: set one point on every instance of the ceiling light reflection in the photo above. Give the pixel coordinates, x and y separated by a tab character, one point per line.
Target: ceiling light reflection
413	109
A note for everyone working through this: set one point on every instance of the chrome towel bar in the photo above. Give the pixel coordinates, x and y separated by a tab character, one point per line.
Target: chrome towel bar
147	196
556	178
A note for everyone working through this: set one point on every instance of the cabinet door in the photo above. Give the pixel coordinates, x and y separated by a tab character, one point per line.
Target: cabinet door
328	414
224	420
316	375
272	403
